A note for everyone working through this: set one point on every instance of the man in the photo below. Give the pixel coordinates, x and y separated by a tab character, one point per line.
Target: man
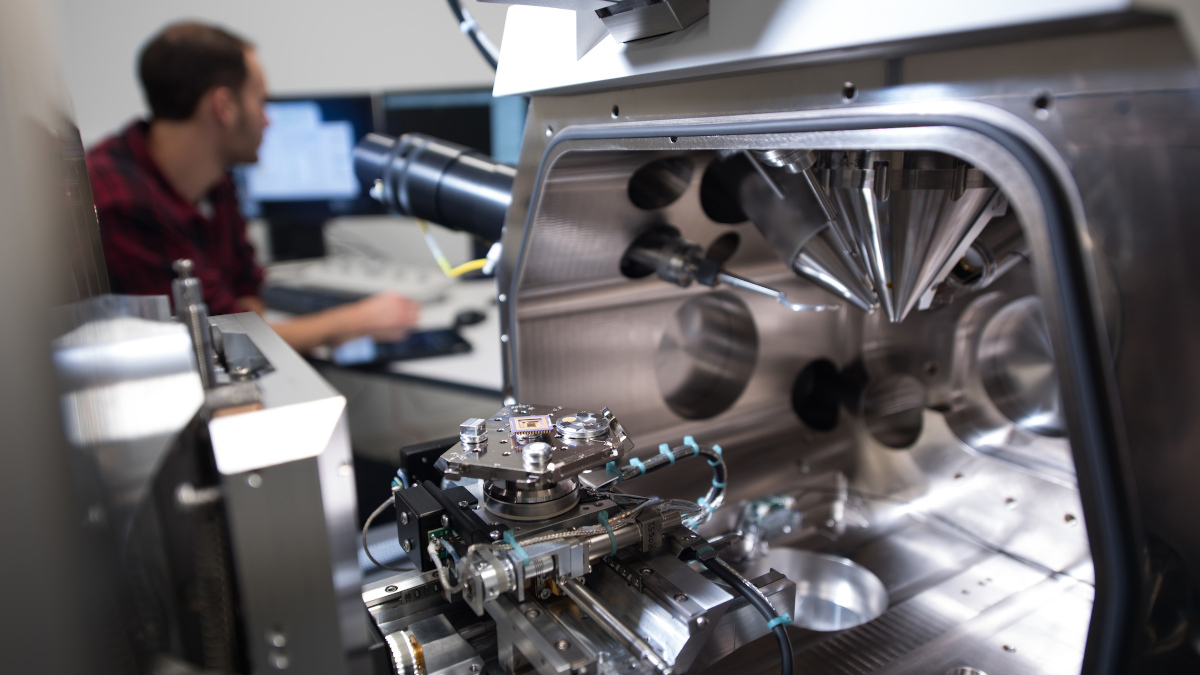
163	192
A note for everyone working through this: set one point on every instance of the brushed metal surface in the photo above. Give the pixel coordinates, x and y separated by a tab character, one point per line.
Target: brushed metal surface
1113	133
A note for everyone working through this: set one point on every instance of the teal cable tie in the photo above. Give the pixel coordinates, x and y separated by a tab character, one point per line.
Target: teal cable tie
702	503
612	470
781	620
664	449
637	463
704	549
716	462
718	484
612	538
512	541
691	442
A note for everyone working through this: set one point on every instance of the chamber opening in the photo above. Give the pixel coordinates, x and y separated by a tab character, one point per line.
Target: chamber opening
720	203
1017	367
815	395
893	409
706	355
659	183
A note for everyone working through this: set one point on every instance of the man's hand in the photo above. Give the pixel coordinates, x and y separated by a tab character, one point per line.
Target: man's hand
385	317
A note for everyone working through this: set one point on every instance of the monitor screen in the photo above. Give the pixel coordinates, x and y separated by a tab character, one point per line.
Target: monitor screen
305	167
474	118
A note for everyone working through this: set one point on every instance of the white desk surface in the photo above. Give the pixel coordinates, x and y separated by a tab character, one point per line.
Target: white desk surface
479	368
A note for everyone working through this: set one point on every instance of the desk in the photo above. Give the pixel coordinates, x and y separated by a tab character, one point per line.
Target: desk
478	369
396	404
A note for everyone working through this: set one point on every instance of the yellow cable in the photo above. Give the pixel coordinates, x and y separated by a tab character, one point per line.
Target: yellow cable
441	257
467	267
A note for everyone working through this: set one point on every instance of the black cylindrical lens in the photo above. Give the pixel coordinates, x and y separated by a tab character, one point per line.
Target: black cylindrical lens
438	181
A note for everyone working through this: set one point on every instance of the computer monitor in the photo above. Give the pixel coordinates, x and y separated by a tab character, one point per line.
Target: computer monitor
305	168
473	117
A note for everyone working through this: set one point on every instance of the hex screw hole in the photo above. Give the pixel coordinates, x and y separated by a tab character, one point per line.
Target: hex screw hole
616	112
849	91
1042	103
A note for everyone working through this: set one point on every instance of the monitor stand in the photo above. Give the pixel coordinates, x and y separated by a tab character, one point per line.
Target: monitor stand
296	237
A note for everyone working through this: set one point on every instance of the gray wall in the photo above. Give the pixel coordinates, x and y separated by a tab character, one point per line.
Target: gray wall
307	46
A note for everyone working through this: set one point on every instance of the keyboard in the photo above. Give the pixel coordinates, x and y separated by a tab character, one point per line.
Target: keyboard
303	287
306	300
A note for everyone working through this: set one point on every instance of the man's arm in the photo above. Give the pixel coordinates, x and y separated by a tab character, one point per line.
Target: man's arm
385	317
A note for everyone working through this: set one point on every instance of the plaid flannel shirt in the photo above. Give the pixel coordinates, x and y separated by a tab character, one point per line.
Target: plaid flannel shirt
145	225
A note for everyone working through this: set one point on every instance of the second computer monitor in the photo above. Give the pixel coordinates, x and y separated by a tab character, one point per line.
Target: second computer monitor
473	117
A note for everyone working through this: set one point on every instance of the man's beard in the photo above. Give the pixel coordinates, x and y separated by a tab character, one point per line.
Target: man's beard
243	145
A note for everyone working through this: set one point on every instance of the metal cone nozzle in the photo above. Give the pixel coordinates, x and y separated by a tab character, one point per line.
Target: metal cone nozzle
797	228
912	222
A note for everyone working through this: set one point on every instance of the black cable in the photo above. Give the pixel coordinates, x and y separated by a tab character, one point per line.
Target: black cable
755	597
473	33
656	462
391	501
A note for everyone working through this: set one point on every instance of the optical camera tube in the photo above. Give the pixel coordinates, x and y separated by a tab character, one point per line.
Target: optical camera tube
438	181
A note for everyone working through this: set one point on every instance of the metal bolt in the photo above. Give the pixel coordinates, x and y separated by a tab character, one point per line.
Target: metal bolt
532	614
278	660
391	589
463	504
494	535
544	593
701	622
1010	649
254	480
562	645
474	667
445	520
681	597
406	545
647	570
276	638
404	517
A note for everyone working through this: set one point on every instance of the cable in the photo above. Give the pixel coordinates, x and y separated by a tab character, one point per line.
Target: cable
467	24
712	500
470	266
755	597
391	501
450	589
440	257
449	549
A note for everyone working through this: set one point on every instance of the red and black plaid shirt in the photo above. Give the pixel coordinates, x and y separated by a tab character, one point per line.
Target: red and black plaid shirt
145	225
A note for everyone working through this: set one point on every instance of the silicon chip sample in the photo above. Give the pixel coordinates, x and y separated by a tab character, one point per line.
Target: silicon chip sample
531	427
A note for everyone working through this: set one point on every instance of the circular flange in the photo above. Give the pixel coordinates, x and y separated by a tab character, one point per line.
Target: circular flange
510	503
582	424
